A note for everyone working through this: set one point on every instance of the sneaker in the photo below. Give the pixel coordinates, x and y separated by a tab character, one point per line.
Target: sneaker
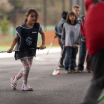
26	88
73	71
90	71
13	85
67	72
79	71
61	66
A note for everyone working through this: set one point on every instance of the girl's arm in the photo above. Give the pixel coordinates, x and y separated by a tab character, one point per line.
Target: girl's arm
13	43
43	40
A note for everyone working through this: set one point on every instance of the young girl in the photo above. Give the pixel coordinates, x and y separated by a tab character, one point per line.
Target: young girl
26	39
70	37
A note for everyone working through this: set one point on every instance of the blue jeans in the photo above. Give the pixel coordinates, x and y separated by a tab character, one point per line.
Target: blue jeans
82	55
69	60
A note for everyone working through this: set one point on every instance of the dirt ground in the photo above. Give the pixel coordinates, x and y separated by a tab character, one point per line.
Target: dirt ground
49	37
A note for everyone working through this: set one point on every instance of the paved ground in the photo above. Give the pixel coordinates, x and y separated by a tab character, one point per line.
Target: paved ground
48	89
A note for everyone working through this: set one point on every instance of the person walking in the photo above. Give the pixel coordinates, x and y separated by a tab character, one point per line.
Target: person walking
26	39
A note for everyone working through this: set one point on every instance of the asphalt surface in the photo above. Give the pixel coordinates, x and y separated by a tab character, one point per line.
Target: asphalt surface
48	89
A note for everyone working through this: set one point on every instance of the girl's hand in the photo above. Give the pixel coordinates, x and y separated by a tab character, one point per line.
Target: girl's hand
64	46
42	46
10	50
75	45
13	43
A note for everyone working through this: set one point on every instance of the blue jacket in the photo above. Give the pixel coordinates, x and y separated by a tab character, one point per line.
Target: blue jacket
82	37
58	27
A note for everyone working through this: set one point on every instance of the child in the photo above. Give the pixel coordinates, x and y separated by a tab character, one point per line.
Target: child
58	31
83	50
76	11
26	38
70	37
83	47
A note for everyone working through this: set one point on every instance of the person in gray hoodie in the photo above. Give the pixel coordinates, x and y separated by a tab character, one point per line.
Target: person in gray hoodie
70	40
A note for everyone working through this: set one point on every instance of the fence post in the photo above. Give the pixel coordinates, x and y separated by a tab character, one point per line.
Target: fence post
45	14
70	5
63	5
14	24
77	2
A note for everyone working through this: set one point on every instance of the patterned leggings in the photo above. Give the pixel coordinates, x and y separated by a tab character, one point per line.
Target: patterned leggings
27	62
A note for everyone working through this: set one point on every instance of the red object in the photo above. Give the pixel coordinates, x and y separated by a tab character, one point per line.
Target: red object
82	29
88	3
94	28
59	74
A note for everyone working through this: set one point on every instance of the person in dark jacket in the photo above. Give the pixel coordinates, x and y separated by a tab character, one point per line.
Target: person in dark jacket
26	39
83	48
58	31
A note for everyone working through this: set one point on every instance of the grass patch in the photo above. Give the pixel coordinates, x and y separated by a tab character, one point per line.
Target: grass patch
4	48
53	46
7	40
47	46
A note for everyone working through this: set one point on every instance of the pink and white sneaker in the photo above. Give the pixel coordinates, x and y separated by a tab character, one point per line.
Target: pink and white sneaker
13	85
26	88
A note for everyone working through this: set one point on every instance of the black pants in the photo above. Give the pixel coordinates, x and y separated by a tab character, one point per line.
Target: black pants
82	55
62	56
96	61
62	51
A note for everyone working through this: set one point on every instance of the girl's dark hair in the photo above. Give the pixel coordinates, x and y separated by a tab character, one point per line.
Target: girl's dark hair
68	20
29	12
